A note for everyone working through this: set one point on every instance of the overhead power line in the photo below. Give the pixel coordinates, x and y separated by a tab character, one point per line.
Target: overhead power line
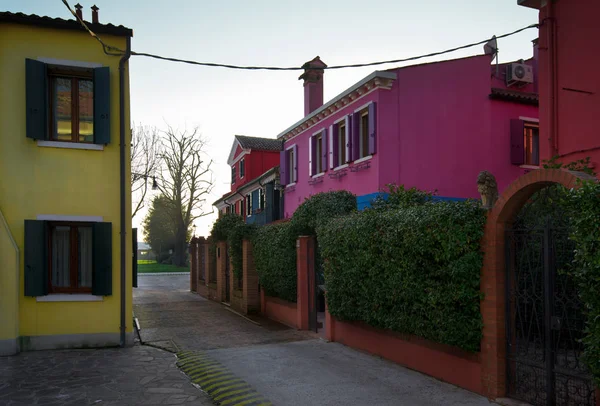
110	50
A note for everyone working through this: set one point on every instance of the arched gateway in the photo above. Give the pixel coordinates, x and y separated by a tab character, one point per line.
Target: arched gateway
531	312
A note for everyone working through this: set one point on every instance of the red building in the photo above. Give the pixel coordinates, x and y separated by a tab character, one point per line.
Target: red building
254	165
569	86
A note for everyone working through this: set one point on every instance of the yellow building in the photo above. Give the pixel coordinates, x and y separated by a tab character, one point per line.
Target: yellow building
65	209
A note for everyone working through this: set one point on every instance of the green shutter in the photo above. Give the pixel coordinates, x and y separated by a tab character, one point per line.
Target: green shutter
102	255
36	90
134	256
102	105
36	258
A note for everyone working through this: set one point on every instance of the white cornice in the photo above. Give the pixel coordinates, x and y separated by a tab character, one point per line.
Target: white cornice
376	80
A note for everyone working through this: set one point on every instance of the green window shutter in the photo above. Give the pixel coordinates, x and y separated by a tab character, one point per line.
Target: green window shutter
102	256
36	90
102	105
134	256
36	258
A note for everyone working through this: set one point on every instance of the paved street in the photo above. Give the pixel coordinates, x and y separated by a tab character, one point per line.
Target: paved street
125	377
286	366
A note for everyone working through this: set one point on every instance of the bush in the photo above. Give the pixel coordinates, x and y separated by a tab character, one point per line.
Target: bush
274	249
320	208
223	225
399	197
412	270
585	222
237	234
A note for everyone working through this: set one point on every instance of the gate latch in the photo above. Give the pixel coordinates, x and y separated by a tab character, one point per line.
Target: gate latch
556	323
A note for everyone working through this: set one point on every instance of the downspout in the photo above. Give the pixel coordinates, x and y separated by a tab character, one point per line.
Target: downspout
122	174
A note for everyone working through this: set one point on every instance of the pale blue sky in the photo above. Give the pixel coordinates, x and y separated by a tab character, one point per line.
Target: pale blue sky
225	102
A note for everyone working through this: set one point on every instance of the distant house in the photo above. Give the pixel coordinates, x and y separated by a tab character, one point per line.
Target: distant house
254	180
144	252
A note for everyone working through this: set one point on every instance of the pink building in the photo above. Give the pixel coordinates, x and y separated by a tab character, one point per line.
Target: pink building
434	126
569	86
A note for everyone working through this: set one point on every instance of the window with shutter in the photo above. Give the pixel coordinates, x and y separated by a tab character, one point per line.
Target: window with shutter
283	168
102	259
531	141
517	142
343	144
67	104
36	258
242	168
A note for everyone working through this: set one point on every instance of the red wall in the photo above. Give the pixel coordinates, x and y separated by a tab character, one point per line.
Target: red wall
279	310
577	81
256	163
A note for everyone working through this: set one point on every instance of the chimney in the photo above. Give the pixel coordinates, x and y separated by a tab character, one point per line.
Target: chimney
78	8
95	14
313	85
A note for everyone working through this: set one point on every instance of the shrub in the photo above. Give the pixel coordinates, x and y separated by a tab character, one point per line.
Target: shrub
398	197
320	208
412	270
223	225
237	234
274	249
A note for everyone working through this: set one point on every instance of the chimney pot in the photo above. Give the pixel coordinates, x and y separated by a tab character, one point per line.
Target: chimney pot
95	14
313	84
78	11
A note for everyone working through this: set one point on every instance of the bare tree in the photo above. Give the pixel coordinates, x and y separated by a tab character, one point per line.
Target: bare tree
145	157
185	181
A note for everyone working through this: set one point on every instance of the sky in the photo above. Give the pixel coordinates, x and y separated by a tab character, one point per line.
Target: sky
222	102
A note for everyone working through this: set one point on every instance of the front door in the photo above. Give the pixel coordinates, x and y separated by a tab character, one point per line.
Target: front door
545	322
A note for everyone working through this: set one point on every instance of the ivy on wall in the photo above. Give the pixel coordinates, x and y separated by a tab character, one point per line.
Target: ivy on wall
413	269
274	249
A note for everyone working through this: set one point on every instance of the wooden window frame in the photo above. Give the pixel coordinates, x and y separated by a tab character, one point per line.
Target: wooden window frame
341	134
319	153
73	260
528	143
363	135
74	75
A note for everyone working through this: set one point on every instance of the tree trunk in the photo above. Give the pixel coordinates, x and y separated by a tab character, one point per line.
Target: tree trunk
179	254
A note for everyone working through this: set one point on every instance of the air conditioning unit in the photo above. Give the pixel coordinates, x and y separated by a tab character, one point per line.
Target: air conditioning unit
519	73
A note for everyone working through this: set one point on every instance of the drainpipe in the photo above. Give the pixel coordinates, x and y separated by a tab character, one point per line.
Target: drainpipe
123	233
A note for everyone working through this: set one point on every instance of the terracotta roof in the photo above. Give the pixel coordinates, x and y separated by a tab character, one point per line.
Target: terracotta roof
515	96
262	144
59	23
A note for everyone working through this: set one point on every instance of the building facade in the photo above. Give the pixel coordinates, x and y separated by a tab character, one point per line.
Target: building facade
434	126
569	87
61	233
255	193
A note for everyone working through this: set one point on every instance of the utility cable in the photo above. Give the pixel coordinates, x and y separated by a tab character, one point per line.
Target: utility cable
108	50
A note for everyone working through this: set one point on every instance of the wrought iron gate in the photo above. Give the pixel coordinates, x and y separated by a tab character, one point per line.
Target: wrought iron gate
544	317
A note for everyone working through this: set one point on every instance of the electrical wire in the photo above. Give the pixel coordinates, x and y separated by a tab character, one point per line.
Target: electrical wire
108	48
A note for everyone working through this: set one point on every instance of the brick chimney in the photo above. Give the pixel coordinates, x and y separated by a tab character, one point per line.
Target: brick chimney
95	14
313	85
78	8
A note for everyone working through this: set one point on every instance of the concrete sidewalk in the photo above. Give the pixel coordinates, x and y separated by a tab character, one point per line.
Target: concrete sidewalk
285	366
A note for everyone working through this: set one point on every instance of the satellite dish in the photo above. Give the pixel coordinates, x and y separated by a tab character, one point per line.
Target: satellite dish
491	47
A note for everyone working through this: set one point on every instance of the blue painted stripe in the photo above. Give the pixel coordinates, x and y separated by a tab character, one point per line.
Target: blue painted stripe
365	201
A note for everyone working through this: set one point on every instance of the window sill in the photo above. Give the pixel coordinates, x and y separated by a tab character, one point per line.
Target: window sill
529	167
70	145
290	185
340	167
318	175
363	159
69	297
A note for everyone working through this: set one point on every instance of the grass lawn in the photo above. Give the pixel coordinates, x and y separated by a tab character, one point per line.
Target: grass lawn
146	266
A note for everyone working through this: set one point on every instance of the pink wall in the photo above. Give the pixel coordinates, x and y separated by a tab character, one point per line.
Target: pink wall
359	183
577	82
450	130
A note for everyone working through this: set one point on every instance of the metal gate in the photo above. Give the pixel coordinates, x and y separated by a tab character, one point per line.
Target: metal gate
545	322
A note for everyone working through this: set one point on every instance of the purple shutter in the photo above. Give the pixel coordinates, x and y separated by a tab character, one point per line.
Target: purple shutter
372	128
348	136
517	142
283	168
323	167
355	136
294	170
334	146
313	156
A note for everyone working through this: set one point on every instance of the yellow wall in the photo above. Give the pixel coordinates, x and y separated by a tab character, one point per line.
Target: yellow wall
38	180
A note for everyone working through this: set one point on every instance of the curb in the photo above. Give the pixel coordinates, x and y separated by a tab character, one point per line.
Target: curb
221	385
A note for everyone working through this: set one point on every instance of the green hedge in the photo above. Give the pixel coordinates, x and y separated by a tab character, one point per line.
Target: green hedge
320	208
412	270
237	234
223	225
585	226
274	249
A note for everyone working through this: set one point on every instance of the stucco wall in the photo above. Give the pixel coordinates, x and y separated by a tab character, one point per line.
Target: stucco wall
50	181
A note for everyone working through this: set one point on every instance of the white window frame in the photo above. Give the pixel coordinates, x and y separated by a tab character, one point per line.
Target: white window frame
244	174
361	147
314	155
249	204
292	177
